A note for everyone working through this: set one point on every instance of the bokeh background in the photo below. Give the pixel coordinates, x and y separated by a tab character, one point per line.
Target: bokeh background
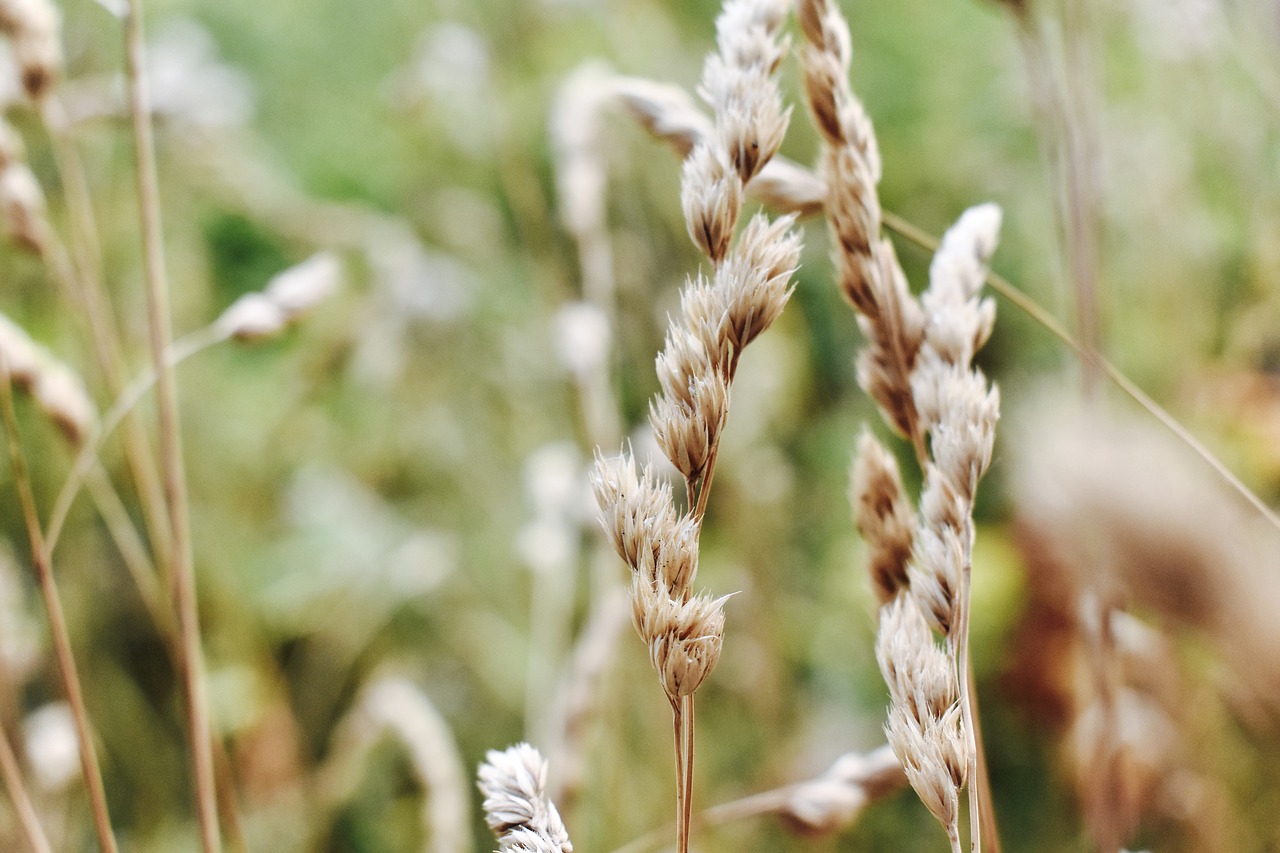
396	552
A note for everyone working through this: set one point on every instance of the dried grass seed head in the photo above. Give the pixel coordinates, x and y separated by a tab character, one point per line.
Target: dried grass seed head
920	676
960	410
672	562
665	111
685	639
516	805
635	511
693	349
686	431
57	390
61	395
833	800
927	760
883	516
755	281
957	322
935	574
20	356
34	28
711	197
738	84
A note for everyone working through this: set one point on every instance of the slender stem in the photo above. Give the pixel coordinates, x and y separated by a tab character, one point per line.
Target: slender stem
57	622
986	805
178	352
86	278
967	713
677	724
130	545
1029	306
687	815
175	484
22	804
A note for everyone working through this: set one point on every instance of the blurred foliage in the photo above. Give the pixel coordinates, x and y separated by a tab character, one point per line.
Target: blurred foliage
361	488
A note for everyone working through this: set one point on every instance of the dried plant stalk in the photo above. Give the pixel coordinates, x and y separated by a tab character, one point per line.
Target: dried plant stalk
916	365
719	316
160	335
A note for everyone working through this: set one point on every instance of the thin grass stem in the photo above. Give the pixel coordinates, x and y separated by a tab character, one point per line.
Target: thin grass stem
88	455
96	303
21	797
175	485
57	622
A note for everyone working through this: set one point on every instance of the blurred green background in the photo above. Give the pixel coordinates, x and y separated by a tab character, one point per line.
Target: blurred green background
397	486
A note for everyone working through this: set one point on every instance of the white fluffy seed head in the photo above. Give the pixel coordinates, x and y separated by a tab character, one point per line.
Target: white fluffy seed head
57	390
685	639
288	297
935	575
686	432
636	511
22	205
957	322
516	804
924	751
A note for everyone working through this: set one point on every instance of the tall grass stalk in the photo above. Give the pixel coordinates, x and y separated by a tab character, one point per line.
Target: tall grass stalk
29	820
183	581
57	622
86	250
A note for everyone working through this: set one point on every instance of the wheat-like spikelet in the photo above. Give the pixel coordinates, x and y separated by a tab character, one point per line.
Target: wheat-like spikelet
719	316
883	515
925	727
516	805
869	273
917	366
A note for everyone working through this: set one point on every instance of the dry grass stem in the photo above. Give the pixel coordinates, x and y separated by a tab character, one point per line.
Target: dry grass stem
719	316
28	819
57	621
516	804
160	334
